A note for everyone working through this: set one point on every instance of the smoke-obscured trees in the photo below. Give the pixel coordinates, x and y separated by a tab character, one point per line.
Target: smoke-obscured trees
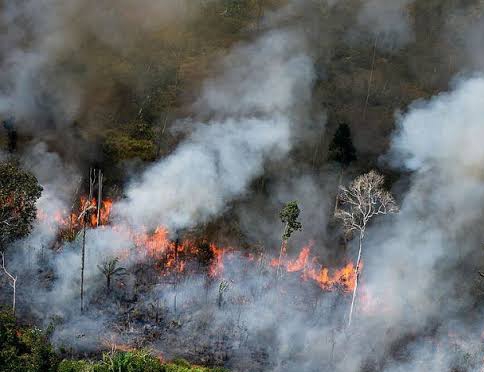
364	199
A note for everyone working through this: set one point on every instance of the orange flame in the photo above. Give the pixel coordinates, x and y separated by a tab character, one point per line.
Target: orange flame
173	256
343	279
72	220
217	266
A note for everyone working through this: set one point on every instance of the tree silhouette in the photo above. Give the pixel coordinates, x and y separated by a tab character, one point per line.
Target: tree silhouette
341	149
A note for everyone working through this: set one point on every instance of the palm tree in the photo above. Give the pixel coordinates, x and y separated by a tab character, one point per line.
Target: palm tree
111	270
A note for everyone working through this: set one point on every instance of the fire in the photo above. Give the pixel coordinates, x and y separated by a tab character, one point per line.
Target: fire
154	245
310	269
72	221
217	267
175	256
301	262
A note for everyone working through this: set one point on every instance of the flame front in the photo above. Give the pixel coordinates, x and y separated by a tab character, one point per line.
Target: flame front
175	256
343	279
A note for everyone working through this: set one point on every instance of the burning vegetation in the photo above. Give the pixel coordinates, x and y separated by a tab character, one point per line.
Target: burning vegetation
179	255
258	185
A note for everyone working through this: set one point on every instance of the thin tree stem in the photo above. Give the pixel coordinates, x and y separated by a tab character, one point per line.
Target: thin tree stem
13	283
370	81
357	276
83	258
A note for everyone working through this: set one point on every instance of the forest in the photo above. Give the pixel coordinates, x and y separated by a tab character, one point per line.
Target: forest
241	186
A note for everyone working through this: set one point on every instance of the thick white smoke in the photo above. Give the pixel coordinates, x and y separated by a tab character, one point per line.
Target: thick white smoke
420	265
59	182
252	101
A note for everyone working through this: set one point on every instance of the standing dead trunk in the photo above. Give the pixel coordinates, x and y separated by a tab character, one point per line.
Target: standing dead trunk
86	210
357	277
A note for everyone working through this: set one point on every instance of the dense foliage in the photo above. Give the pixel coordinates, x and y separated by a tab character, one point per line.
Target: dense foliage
19	191
24	349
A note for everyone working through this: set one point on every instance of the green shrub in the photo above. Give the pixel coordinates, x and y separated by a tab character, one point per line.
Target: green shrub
136	361
24	349
76	366
120	146
181	365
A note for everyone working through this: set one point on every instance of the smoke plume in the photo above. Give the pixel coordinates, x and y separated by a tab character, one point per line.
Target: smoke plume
251	102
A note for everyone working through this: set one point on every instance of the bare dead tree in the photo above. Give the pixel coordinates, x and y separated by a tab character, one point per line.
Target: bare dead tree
364	199
12	281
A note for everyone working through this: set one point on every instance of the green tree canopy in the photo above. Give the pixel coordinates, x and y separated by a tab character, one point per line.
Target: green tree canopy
19	191
289	215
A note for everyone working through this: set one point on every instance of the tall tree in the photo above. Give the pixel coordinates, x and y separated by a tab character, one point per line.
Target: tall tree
289	217
19	191
360	203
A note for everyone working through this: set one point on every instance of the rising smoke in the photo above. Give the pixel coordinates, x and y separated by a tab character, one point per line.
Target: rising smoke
253	102
419	266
